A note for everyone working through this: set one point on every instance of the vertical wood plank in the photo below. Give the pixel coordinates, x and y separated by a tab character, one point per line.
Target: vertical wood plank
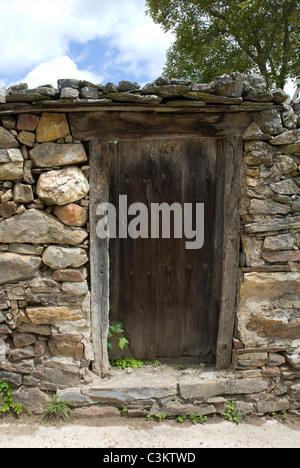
231	248
99	257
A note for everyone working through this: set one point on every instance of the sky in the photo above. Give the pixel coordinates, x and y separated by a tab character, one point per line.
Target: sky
97	40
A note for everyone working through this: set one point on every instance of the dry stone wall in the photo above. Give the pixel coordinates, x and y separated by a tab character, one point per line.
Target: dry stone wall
44	249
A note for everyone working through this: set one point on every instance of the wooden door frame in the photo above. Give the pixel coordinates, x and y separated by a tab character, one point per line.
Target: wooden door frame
99	249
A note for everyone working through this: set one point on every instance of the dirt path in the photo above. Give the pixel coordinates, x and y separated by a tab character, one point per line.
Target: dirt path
138	433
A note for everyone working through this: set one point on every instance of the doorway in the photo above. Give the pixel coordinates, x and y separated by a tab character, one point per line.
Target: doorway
168	297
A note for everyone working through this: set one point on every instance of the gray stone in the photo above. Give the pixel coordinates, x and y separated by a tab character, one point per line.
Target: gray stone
15	380
254	132
287	164
7	140
26	249
74	396
47	91
26	97
273	225
62	187
268	309
52	154
125	86
11	164
59	258
230	85
194	388
69	93
295	391
203	87
23	193
271	122
290	119
68	83
14	267
22	367
280	96
17	88
281	242
60	379
166	91
130	97
286	138
19	354
255	89
36	227
285	187
266	207
75	289
89	92
32	399
110	88
272	405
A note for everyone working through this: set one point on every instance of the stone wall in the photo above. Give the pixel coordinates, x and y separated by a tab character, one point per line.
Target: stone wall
44	249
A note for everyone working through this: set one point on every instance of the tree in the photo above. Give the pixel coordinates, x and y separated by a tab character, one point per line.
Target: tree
213	37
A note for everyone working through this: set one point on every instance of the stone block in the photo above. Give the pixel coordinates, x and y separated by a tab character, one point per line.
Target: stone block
52	315
62	187
72	215
59	258
27	122
36	227
52	127
11	164
14	267
7	139
53	155
268	309
194	388
23	193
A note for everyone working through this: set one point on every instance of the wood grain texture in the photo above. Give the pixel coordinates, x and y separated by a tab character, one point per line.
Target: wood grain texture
99	257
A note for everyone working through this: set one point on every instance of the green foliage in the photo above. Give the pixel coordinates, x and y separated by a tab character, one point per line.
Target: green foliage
116	328
127	362
148	416
9	405
57	410
182	418
124	410
197	419
233	414
213	37
161	416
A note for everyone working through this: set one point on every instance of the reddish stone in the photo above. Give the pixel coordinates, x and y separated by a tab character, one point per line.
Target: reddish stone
72	215
28	122
76	276
281	256
8	209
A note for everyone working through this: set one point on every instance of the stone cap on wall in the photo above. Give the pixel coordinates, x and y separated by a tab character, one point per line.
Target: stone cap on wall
235	91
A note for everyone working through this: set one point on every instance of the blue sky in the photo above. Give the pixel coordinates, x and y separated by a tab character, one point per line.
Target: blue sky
96	40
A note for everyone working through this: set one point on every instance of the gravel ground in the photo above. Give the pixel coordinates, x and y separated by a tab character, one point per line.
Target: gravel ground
138	433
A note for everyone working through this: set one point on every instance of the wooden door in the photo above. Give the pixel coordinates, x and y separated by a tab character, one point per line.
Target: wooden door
168	297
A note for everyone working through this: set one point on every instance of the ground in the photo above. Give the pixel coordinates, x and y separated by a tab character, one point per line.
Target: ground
123	432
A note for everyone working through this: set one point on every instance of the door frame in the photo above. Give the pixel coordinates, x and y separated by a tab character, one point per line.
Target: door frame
99	249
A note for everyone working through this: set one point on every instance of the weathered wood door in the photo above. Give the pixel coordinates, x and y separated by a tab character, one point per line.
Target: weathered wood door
168	297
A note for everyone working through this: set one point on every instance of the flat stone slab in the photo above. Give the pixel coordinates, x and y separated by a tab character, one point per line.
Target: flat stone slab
36	227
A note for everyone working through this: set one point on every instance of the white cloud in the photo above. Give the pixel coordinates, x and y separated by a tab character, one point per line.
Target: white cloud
61	67
37	33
